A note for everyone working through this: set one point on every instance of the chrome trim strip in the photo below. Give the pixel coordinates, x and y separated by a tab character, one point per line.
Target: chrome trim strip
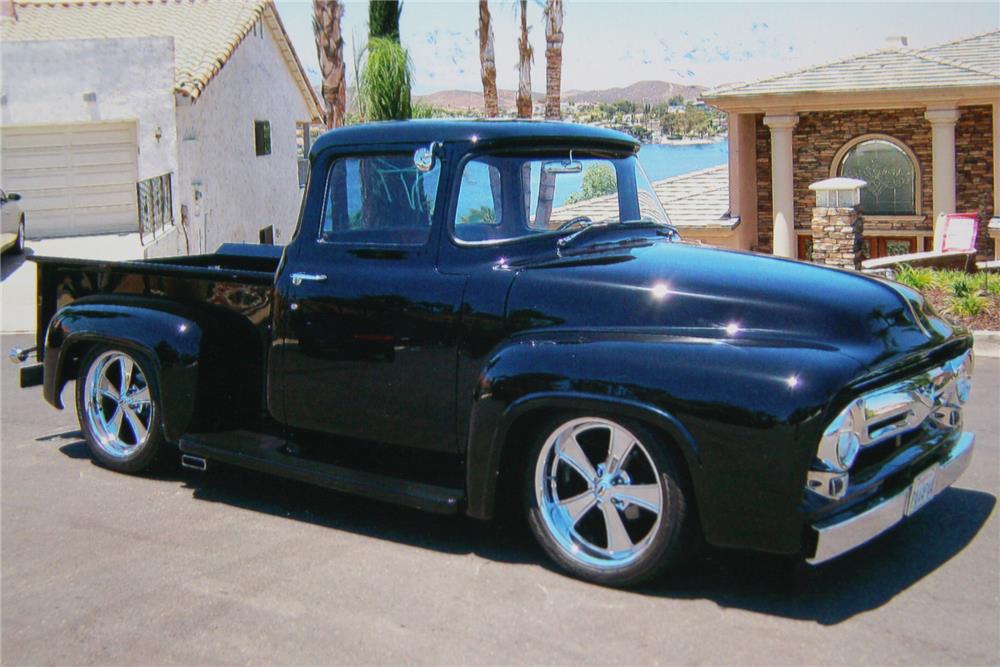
841	534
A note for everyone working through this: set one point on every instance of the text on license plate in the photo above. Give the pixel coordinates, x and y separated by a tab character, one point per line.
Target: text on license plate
921	491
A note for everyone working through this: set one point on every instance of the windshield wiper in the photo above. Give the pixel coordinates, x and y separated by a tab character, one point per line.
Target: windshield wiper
661	228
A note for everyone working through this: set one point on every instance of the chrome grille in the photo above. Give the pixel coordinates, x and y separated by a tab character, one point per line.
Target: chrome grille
904	406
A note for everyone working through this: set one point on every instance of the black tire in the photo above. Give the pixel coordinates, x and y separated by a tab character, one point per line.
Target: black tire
665	543
123	449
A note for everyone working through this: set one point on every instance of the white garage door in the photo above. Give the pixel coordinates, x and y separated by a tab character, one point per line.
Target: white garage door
73	179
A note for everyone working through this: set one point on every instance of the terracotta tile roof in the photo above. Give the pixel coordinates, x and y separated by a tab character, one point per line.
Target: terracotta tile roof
973	61
205	32
699	199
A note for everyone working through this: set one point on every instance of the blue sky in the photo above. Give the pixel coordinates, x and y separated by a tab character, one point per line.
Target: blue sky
617	43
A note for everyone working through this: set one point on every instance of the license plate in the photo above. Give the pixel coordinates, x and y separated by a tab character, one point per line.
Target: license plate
921	491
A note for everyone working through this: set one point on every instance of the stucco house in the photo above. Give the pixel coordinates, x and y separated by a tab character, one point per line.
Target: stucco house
918	125
183	119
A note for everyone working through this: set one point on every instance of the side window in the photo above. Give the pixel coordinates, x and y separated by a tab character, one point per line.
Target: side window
479	209
379	200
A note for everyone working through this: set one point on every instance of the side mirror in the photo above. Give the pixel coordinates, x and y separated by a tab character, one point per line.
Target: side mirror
425	157
13	196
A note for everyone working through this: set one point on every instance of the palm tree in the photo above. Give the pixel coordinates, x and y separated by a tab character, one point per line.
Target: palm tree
386	75
383	19
327	15
524	66
384	86
553	57
487	61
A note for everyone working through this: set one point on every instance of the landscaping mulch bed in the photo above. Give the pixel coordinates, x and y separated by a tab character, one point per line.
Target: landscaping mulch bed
987	320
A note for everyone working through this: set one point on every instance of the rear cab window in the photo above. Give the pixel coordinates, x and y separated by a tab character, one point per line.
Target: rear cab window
379	200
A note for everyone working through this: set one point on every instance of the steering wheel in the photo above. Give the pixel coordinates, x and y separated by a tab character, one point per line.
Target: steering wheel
575	221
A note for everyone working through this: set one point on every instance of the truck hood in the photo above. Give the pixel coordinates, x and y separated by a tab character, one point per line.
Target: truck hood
679	289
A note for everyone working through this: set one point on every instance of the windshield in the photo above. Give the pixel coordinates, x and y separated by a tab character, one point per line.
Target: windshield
506	197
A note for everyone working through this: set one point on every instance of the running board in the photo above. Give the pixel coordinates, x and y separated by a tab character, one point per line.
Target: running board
265	453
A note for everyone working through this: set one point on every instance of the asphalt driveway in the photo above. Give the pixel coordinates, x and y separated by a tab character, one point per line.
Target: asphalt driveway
232	567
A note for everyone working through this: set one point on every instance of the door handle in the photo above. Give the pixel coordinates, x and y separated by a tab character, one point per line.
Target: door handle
299	278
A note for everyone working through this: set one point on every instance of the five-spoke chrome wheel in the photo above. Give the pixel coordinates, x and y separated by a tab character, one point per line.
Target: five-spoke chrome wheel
606	500
118	405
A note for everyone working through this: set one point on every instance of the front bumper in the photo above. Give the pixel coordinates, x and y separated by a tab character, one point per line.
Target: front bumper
843	532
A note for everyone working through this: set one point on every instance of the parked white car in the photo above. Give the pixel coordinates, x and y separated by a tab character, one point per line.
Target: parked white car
12	223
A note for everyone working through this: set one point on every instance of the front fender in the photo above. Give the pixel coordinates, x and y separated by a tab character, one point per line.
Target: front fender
745	415
171	341
492	420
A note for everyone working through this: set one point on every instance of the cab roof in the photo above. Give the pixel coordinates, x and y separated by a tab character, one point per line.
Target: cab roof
479	132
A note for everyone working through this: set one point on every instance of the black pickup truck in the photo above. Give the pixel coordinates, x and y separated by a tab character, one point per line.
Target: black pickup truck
477	314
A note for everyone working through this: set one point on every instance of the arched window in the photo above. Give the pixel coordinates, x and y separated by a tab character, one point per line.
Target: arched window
889	169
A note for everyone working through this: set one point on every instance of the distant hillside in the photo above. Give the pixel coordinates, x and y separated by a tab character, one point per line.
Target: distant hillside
640	93
460	100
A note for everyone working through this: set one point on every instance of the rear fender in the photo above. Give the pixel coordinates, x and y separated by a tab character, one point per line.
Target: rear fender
173	343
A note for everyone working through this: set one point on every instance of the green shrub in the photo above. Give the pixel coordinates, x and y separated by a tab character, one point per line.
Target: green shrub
919	279
985	282
969	304
484	215
962	285
598	180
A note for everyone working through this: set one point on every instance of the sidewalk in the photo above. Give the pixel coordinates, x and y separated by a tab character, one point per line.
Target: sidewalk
17	275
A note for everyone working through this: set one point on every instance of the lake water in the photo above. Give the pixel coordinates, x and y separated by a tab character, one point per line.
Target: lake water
665	160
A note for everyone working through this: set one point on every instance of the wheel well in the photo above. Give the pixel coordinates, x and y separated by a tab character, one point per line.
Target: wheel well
524	430
72	358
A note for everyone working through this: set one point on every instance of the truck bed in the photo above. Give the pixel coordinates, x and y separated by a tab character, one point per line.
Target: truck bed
238	277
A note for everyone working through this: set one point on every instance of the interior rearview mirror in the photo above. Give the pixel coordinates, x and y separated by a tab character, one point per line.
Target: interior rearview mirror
563	167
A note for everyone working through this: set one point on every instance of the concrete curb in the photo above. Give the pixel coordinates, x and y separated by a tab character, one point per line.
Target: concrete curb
987	344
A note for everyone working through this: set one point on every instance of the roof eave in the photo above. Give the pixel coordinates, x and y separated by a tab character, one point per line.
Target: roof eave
292	58
898	98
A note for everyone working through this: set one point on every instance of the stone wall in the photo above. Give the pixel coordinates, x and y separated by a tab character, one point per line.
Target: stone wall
819	135
974	169
765	210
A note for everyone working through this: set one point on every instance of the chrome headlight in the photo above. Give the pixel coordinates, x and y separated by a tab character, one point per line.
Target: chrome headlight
840	443
963	377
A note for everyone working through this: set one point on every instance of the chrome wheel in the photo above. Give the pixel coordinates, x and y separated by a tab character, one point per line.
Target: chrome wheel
598	493
118	405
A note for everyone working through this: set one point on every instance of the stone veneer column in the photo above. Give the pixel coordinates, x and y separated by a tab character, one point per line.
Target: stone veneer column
943	121
837	237
782	185
996	159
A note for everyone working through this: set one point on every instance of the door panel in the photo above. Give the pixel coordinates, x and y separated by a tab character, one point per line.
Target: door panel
372	351
369	328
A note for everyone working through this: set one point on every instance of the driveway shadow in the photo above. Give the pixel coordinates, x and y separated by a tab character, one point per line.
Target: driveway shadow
268	494
859	581
9	262
828	594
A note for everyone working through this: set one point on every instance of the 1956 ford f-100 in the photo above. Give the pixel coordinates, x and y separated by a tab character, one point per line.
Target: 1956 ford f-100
463	319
